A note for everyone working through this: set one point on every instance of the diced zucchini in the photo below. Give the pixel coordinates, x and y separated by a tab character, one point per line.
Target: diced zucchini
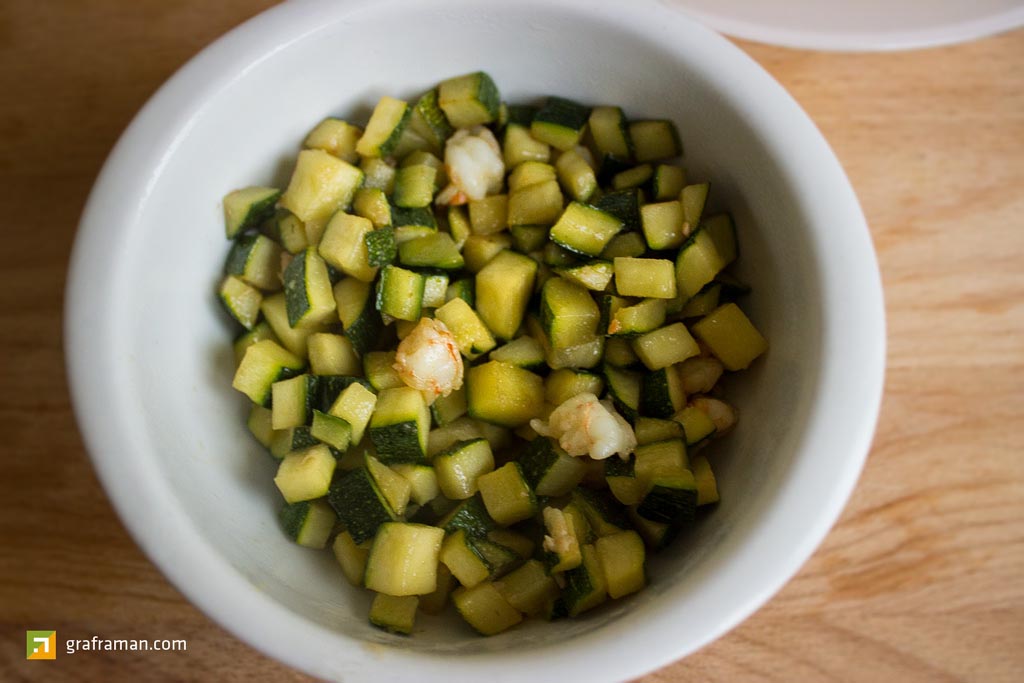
703	302
624	205
320	185
506	495
661	393
360	504
459	466
471	516
461	289
351	557
524	352
337	137
619	353
531	173
629	244
429	121
379	174
528	238
286	228
436	250
260	424
519	146
603	515
518	543
569	315
331	430
536	204
400	293
379	368
309	523
697	263
693	198
470	333
549	470
503	394
399	425
576	175
707	487
469	100
459	225
447	409
586	587
305	474
667	182
435	287
499	559
656	535
264	363
414	186
394	614
671	500
489	215
371	203
259	332
403	559
665	346
384	129
503	289
381	247
395	488
460	556
240	300
663	224
666	458
343	246
291	401
332	354
529	588
610	131
652	278
730	335
247	208
330	387
654	140
624	388
696	424
630	321
423	486
358	313
563	384
594	275
622	558
652	429
256	259
308	296
434	603
638	176
624	484
284	441
585	229
560	123
478	250
484	608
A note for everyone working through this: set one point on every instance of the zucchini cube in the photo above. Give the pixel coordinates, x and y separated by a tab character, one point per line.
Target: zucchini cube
403	559
306	474
731	336
503	394
506	495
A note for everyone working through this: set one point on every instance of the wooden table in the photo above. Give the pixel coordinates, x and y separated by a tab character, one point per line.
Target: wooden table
921	580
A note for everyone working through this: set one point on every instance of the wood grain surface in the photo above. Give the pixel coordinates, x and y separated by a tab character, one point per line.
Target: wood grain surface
921	580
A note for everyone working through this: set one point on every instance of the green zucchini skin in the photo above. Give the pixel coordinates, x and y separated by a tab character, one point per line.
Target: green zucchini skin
359	504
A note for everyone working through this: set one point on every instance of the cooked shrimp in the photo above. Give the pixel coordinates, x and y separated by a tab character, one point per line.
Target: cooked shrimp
699	374
721	413
429	360
585	426
475	166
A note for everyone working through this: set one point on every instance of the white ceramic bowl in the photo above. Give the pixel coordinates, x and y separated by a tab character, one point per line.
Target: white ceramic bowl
150	363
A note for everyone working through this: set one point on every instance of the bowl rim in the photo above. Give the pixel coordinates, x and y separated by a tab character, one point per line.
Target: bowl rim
149	509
